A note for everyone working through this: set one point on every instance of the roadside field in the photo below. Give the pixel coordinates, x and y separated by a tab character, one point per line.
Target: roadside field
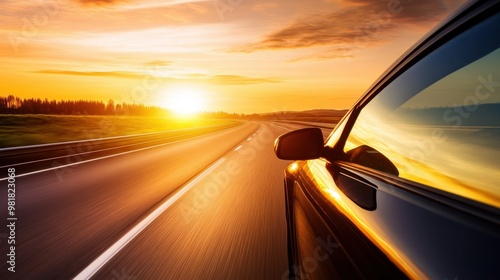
21	130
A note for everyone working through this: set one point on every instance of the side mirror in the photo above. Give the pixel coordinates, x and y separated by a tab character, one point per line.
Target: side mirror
300	144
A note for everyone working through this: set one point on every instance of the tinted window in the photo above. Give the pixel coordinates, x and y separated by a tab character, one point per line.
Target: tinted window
438	123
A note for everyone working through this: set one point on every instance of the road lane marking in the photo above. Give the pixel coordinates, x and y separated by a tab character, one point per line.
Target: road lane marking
98	263
85	153
104	157
239	147
107	138
99	158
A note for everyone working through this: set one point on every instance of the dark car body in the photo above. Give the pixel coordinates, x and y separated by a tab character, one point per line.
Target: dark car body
408	183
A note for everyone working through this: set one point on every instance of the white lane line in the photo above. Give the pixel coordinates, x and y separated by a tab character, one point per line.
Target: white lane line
104	157
77	154
105	138
239	147
98	263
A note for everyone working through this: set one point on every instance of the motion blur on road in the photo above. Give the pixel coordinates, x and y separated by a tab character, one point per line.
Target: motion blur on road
226	222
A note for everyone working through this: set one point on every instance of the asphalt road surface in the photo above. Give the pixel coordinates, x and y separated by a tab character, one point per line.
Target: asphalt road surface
207	206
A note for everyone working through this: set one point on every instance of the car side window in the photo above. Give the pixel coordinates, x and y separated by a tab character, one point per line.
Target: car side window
438	123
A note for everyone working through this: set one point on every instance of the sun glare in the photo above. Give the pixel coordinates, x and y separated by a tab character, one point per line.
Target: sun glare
185	102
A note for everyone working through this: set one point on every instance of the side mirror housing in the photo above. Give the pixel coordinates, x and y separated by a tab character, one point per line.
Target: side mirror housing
300	144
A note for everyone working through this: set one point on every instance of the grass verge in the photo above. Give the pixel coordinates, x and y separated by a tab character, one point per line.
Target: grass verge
22	130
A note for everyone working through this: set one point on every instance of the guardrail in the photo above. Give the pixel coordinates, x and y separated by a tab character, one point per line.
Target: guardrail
45	155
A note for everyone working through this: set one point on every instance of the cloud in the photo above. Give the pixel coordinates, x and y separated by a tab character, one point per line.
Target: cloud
189	78
144	4
100	2
357	23
340	51
229	80
111	74
263	7
158	63
239	80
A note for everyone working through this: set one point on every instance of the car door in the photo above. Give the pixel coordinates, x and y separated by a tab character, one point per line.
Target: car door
408	183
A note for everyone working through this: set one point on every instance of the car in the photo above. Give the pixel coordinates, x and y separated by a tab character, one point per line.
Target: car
407	185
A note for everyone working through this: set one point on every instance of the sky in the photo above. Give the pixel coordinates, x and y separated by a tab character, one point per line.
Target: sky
244	56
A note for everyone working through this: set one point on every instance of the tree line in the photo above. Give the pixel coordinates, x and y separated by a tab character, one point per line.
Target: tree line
15	105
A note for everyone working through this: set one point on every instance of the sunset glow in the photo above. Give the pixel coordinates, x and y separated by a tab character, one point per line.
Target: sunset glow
184	101
253	56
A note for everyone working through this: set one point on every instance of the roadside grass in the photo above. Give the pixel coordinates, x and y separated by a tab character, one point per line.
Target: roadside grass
22	130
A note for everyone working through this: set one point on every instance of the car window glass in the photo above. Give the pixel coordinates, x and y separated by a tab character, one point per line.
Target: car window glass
438	123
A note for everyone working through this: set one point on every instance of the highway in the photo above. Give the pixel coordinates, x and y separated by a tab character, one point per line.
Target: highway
207	205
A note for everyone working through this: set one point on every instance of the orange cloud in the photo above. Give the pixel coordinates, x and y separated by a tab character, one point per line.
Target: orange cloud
100	2
262	7
361	23
158	63
228	80
113	74
239	80
340	51
211	79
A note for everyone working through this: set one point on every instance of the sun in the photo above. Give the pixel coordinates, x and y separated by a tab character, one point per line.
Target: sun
185	101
